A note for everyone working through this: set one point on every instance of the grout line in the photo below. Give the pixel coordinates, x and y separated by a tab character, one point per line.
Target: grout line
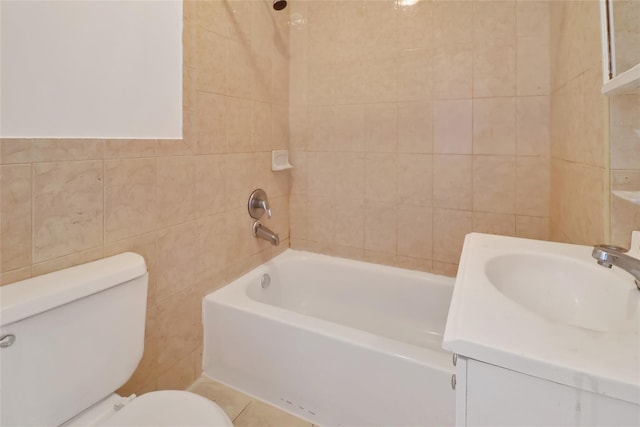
242	411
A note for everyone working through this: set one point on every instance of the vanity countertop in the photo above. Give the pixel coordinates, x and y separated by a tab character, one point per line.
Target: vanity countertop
486	325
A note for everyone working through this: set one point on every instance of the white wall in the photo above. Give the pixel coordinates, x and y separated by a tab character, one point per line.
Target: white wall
91	69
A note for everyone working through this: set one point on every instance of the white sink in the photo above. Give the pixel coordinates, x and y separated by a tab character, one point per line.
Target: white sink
547	310
565	290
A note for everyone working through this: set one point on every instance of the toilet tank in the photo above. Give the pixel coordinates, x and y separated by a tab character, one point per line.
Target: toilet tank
79	335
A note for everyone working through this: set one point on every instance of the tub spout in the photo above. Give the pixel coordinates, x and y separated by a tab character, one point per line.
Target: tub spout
265	233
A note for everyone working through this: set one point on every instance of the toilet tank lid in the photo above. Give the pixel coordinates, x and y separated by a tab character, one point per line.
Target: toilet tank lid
29	297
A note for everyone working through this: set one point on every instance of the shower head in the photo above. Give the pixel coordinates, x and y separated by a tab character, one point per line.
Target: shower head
279	4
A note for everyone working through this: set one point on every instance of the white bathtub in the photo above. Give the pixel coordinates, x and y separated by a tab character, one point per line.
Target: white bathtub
336	342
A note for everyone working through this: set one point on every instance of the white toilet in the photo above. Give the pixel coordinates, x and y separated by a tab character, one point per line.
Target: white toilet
69	339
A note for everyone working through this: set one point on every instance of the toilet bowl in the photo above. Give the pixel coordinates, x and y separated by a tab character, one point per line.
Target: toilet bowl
69	339
167	408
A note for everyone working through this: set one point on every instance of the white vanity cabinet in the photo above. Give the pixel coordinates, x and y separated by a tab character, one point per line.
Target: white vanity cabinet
488	395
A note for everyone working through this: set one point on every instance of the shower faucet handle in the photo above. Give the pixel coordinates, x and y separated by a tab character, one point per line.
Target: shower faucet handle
259	204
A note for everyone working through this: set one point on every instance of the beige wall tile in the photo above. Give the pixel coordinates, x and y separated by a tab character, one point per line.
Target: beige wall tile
494	126
449	229
380	124
532	131
128	148
452	127
492	223
494	20
211	116
349	181
533	18
238	133
15	150
179	376
380	177
494	68
348	129
494	184
415	128
129	197
529	227
321	175
68	208
56	150
452	181
176	334
176	260
453	22
211	247
592	143
415	231
532	66
453	71
298	225
380	227
532	192
415	75
321	220
15	216
210	192
415	25
349	226
176	190
415	179
211	62
261	126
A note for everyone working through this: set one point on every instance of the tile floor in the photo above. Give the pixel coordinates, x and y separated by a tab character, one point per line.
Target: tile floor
243	410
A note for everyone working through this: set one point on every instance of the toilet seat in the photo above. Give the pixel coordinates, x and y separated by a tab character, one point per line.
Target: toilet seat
169	408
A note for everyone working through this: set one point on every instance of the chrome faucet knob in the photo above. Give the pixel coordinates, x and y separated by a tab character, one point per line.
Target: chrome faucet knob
258	204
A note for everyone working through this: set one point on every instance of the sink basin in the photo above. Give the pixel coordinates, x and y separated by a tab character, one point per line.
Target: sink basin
565	290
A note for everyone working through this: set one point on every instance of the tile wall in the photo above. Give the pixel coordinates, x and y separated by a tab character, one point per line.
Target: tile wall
181	204
414	123
579	181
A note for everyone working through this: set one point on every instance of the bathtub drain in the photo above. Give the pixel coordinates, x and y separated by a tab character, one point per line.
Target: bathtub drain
265	281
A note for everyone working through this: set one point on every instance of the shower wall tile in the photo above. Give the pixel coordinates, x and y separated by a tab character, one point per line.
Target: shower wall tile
415	232
532	126
493	223
494	184
453	126
530	227
415	127
494	126
423	92
453	181
453	71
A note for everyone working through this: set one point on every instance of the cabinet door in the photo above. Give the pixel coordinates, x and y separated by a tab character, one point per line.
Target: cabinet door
499	397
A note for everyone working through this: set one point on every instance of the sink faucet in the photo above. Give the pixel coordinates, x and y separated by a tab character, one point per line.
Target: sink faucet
265	233
608	256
